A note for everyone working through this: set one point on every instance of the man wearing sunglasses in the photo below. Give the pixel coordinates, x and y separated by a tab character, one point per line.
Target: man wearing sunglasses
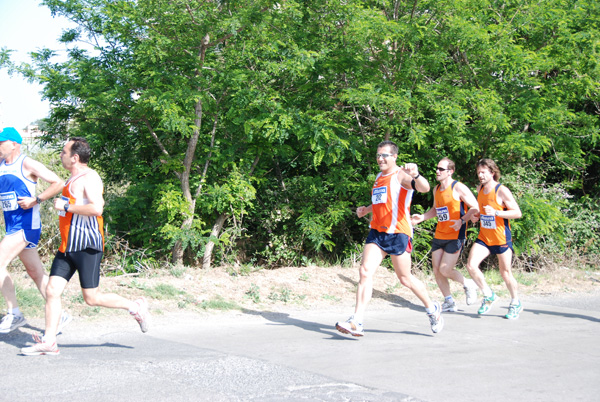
449	200
391	234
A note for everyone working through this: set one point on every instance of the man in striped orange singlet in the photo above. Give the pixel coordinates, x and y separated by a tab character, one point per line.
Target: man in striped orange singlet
391	233
82	243
449	200
496	206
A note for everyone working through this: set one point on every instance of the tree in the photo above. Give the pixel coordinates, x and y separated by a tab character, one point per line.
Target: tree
257	120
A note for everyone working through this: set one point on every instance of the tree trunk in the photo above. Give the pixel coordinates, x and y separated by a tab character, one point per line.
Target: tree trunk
207	259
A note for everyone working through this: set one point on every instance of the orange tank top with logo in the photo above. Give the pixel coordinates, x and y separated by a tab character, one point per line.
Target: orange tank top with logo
391	205
79	232
448	209
493	230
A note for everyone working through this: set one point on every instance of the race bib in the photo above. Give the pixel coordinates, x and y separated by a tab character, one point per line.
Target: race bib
442	214
63	213
488	221
9	201
379	195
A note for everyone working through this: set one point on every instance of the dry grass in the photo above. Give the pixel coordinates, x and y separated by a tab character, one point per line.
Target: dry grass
281	289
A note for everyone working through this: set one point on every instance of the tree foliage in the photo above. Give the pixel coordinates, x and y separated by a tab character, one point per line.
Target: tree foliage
258	120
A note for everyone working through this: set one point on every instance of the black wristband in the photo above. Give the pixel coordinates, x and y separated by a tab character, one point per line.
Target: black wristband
38	200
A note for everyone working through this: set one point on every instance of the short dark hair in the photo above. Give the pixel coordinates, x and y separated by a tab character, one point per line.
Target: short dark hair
391	144
451	165
491	165
80	147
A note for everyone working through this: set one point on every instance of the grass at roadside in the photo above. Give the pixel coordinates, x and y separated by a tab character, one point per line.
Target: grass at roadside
278	289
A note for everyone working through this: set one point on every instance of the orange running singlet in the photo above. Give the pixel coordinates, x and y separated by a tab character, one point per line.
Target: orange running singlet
447	209
79	232
493	230
391	205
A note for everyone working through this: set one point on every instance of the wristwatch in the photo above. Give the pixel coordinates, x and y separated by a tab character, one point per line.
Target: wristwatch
38	200
67	207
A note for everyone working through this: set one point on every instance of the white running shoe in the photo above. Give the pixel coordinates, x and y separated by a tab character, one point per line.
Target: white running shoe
11	322
65	319
350	326
470	292
449	306
143	315
435	319
41	348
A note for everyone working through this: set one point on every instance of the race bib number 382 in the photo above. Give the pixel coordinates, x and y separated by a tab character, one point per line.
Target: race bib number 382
379	195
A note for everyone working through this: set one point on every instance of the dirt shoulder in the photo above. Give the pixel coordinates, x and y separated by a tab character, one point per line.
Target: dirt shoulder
286	289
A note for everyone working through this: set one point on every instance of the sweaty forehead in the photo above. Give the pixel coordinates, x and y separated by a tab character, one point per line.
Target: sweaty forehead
483	169
386	149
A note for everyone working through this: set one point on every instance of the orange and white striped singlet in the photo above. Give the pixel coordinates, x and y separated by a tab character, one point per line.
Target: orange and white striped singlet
79	232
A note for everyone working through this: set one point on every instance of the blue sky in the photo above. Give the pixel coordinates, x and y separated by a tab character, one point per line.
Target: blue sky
25	26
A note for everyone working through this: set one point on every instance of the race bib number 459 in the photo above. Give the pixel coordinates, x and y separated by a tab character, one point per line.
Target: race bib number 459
442	214
379	195
9	201
488	221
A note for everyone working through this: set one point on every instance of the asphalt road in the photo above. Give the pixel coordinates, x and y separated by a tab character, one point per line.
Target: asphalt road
551	353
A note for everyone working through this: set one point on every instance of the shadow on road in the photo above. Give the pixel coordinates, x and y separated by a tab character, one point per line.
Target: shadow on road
566	315
325	329
18	338
97	345
395	300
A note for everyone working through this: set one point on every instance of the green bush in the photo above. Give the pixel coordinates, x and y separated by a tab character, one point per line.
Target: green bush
541	228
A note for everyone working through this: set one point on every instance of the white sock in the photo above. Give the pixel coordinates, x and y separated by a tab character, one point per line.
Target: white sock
515	302
16	311
469	283
449	299
487	291
134	308
431	310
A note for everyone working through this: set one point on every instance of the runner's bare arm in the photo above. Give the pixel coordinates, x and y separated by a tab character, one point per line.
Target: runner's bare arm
475	217
36	170
505	197
469	199
362	210
415	219
466	196
410	172
89	187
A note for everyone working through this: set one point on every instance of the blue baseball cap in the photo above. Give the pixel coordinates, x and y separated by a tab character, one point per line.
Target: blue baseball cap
10	134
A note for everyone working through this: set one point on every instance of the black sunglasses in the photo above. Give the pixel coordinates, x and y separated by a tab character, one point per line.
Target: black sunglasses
441	169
